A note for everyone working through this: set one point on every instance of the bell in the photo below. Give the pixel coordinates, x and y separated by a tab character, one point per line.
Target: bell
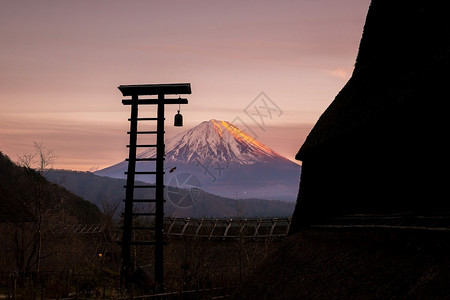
178	120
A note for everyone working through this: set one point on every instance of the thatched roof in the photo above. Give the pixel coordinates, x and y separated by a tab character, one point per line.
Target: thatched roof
381	146
401	75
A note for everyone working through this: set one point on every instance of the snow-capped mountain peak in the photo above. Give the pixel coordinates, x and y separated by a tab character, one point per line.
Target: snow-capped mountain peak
223	160
215	140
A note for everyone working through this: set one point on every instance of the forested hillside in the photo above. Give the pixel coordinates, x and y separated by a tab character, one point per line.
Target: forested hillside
27	185
37	220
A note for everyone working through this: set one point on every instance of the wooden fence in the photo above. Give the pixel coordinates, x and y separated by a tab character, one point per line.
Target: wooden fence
227	228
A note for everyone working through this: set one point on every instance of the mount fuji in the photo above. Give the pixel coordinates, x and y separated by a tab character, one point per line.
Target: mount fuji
221	159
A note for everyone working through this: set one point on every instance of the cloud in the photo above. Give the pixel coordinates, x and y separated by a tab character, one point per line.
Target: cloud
79	144
341	73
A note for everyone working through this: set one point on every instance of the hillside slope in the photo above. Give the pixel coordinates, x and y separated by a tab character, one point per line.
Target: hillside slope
37	222
22	184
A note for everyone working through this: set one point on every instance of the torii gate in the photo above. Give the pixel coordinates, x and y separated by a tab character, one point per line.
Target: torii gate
135	91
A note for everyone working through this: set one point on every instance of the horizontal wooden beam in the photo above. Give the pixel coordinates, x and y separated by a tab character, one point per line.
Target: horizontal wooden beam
156	101
156	89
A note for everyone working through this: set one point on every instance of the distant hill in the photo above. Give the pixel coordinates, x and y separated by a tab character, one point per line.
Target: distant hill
108	193
20	184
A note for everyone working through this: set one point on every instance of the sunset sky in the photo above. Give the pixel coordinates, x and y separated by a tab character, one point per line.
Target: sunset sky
62	61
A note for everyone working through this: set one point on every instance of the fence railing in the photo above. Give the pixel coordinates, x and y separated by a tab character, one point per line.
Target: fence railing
207	228
227	228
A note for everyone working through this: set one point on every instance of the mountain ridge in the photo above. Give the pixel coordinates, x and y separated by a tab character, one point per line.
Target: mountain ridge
107	193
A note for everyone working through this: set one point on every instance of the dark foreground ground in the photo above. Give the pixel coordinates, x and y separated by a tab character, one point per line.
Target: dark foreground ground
354	263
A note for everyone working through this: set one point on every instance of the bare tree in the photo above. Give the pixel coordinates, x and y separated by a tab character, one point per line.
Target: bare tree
37	164
40	160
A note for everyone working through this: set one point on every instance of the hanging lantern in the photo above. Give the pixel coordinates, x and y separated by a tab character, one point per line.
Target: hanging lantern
178	120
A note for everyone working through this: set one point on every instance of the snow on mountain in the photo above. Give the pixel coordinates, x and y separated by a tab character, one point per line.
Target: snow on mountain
219	140
221	159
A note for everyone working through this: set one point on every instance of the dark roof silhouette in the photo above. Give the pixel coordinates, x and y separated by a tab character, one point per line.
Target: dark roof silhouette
403	60
381	144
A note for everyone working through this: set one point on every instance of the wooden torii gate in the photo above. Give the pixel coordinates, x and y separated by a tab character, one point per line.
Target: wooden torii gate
135	91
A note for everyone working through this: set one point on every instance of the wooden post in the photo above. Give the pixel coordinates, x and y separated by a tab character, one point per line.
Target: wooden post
129	195
159	193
